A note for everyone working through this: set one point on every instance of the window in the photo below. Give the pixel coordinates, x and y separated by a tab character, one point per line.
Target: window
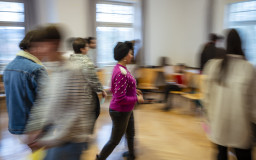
242	16
12	29
115	22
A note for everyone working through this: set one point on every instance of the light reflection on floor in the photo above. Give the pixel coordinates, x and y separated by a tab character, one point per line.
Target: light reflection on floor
12	149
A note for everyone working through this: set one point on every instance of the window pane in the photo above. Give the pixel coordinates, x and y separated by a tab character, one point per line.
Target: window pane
117	18
107	37
11	12
9	40
116	9
11	17
11	7
114	13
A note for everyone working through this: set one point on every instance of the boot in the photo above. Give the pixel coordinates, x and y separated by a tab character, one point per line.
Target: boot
128	156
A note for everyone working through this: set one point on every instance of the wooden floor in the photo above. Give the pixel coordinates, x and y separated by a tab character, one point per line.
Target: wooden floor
174	135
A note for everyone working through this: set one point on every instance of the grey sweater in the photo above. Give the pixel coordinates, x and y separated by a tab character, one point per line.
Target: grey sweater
66	104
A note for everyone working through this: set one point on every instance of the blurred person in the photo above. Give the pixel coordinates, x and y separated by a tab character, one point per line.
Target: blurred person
210	51
178	85
229	100
125	96
92	44
63	117
80	57
22	80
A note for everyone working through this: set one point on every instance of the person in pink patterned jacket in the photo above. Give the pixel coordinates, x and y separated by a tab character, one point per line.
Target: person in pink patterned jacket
125	96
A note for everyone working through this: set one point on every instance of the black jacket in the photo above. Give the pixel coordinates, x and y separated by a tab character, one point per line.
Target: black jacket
210	51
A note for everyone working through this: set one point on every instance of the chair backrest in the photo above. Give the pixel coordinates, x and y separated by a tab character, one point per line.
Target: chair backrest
147	76
101	76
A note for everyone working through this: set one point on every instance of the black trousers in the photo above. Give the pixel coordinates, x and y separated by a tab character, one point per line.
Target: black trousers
123	123
170	87
241	154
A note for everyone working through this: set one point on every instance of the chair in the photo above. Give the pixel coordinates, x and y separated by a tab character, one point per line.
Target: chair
149	81
195	95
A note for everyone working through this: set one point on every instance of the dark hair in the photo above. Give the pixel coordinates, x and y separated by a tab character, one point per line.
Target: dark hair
89	39
234	46
164	61
39	35
79	43
122	49
52	32
25	43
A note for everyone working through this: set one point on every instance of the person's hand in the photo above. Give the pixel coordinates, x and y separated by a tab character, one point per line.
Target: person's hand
32	138
36	146
140	98
104	94
138	92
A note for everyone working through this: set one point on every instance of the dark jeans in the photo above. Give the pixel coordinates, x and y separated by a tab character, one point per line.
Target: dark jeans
170	87
68	151
97	101
241	154
123	123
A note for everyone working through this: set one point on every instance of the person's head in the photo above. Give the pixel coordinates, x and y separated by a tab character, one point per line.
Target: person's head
181	67
234	43
92	42
164	61
26	41
45	43
234	46
214	38
123	52
80	46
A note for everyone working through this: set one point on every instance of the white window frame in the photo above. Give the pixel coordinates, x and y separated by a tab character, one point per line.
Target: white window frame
111	24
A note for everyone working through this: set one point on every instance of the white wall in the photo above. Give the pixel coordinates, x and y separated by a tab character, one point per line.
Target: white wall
73	15
175	29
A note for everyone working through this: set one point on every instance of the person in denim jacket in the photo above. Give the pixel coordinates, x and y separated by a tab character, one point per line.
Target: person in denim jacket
22	80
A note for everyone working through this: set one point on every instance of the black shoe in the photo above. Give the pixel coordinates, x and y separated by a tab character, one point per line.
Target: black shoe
125	154
97	157
128	156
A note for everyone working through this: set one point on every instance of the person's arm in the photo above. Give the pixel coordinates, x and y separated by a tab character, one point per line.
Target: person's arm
91	76
39	80
120	84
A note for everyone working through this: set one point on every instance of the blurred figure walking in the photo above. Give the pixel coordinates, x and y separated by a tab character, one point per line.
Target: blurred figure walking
229	98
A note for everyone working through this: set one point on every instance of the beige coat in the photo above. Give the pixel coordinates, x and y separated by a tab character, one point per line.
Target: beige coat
230	109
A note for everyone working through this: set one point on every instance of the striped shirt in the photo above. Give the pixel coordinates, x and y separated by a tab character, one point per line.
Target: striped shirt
65	103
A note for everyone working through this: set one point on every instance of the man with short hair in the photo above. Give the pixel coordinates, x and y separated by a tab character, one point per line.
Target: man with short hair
80	57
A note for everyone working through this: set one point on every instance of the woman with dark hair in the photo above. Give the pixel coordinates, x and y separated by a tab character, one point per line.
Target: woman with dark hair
228	98
125	95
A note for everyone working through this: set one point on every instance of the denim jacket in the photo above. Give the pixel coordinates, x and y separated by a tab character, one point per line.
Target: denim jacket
21	81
